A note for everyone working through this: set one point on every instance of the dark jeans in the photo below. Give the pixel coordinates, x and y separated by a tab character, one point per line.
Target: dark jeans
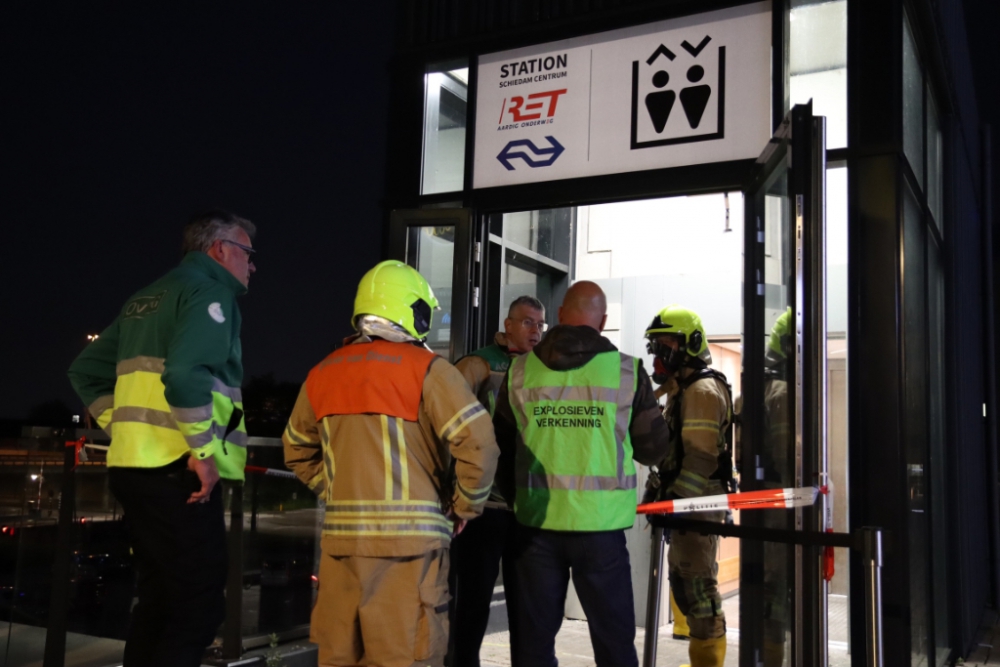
475	561
180	558
603	580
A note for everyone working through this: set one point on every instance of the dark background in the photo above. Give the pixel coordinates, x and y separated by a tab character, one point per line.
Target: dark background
121	119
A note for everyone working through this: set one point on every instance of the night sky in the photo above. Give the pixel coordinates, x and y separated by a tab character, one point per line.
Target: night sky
121	119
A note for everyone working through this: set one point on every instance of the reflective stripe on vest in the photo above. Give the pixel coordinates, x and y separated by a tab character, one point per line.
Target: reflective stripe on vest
568	449
147	433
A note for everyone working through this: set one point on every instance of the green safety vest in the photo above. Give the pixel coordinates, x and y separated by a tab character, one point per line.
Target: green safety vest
499	360
574	455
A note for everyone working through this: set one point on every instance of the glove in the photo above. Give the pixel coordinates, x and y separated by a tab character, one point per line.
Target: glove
658	520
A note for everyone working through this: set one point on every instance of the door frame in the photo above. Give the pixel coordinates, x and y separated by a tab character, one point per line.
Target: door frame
462	290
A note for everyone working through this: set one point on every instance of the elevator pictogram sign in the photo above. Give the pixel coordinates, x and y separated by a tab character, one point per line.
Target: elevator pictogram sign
679	94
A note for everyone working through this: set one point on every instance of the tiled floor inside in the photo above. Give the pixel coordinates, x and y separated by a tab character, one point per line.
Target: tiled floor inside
987	650
573	647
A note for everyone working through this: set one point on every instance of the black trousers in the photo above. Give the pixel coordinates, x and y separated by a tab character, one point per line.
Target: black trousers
180	557
476	556
603	580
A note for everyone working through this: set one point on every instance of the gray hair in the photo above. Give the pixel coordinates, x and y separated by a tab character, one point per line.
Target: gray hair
526	300
206	228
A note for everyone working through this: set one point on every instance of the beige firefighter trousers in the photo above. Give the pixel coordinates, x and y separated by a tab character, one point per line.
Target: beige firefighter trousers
693	572
389	611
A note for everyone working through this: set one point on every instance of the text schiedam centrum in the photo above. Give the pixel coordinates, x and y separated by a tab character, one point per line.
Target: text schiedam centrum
568	416
540	68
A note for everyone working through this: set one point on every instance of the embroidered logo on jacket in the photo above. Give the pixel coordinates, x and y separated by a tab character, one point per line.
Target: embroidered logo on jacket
142	306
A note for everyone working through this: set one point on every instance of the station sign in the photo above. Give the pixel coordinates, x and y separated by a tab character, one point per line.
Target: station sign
690	90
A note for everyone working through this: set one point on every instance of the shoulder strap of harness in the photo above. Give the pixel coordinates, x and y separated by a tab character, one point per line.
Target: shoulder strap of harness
725	470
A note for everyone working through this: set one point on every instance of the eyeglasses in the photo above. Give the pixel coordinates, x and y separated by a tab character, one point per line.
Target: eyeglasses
532	324
245	248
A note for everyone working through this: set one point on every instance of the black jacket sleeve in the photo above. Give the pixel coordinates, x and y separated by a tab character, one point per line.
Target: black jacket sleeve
649	432
505	428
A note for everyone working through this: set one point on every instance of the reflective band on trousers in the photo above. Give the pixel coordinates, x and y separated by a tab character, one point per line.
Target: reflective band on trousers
574	457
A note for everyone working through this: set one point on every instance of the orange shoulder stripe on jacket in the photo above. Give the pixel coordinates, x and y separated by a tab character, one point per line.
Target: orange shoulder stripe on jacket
370	378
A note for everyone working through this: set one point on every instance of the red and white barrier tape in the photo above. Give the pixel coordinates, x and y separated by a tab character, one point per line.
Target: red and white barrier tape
749	500
260	470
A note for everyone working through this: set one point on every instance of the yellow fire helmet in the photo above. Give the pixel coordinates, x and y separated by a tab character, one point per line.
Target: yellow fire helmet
686	325
397	292
780	333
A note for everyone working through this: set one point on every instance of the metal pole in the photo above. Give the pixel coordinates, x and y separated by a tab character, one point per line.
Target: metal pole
55	636
232	633
872	554
653	598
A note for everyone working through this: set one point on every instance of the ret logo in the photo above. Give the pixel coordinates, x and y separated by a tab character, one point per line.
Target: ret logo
693	74
546	156
528	111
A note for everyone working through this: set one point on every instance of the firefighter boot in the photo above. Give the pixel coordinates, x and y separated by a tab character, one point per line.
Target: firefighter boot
707	652
774	653
681	629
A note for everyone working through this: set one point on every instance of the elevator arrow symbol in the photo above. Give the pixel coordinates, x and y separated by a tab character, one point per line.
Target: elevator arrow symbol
509	153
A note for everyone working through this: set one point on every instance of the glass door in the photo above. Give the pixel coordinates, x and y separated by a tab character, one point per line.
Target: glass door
783	613
438	244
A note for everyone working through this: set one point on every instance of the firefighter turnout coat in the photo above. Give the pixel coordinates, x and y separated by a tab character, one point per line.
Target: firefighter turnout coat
374	433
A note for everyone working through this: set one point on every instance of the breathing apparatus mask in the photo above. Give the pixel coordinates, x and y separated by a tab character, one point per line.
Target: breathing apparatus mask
667	361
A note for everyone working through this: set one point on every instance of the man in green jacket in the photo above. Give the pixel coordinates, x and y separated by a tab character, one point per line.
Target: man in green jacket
164	380
477	553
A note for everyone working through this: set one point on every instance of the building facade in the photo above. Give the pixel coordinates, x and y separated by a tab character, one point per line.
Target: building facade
745	159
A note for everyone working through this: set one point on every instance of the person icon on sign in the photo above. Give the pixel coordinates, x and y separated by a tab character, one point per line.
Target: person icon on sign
660	103
694	99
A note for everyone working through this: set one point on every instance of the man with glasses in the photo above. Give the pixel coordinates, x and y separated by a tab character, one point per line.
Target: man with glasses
479	550
164	380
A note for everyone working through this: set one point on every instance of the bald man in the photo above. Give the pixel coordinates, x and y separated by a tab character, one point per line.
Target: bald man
572	415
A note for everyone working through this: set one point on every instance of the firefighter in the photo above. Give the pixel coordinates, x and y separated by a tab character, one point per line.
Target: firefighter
777	450
373	433
478	551
698	463
577	411
164	380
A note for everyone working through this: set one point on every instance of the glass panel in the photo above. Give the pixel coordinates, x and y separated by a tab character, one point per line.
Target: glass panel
522	279
445	100
777	459
280	548
818	62
915	395
99	590
938	457
913	104
836	359
431	251
546	232
935	155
